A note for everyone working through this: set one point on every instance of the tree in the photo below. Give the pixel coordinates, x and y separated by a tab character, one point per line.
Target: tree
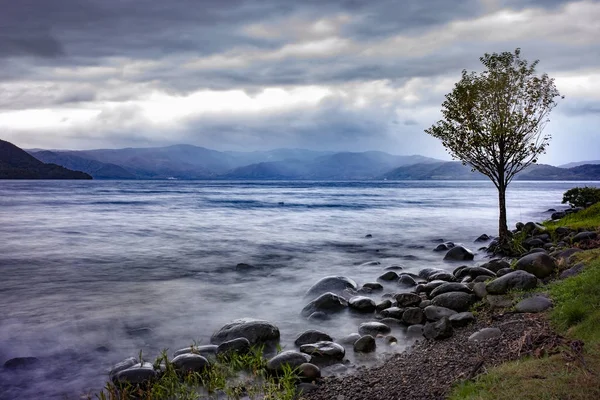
494	121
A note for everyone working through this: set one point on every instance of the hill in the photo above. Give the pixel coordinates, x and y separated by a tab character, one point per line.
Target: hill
579	163
97	169
16	163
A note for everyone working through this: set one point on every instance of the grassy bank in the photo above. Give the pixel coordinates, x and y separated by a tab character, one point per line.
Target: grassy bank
573	370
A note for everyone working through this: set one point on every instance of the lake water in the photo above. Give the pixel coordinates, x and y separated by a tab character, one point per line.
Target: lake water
94	271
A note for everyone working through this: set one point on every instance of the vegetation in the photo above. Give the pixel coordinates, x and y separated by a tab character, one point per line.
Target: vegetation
493	121
584	219
573	372
235	376
582	196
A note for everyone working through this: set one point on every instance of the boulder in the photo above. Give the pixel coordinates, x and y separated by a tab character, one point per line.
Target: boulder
373	329
240	345
382	305
414	331
562	231
565	255
435	313
442	276
365	344
318	316
519	226
539	264
137	374
444	246
457	301
474	272
485	334
373	286
255	330
406	280
324	351
450	287
362	304
534	304
350	339
309	372
334	284
393	312
186	363
479	290
534	229
413	316
515	280
425	273
205	350
582	236
574	270
495	265
459	253
483	238
28	362
290	357
425	303
461	319
503	271
326	303
312	336
407	299
438	330
428	287
388	276
121	366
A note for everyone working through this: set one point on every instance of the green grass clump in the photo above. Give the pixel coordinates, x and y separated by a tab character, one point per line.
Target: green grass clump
236	376
588	218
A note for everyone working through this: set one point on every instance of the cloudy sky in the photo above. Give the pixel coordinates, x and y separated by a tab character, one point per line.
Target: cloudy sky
260	74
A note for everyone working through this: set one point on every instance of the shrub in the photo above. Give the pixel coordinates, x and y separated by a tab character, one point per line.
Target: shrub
582	196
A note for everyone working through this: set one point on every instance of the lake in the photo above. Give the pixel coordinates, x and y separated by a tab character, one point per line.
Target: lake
95	271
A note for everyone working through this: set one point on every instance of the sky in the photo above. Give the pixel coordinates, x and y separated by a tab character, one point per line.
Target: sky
337	75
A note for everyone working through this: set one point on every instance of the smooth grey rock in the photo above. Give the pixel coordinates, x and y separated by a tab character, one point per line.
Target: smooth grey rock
312	336
240	345
334	284
425	303
495	265
136	375
444	246
327	303
450	287
534	304
392	312
565	255
428	287
208	349
406	280
485	334
255	330
414	331
373	329
413	316
373	286
581	236
459	253
438	330
479	290
350	339
324	351
435	313
425	273
365	344
387	303
362	304
539	264
533	228
318	316
474	272
442	276
309	372
461	319
574	270
504	271
407	299
186	363
515	280
121	366
558	215
457	301
388	276
289	357
482	238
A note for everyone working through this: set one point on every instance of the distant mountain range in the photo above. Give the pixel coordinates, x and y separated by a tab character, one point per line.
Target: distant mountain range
579	163
192	162
16	163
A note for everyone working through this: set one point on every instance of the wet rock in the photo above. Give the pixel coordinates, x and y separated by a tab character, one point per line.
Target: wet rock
326	303
495	265
240	345
309	372
539	264
473	272
574	270
406	280
461	319
312	336
368	236
459	253
391	322
515	280
373	286
519	226
121	366
503	272
582	236
388	276
485	334
414	331
393	268
28	362
428	287
438	330
289	357
318	316
382	305
534	304
350	339
362	304
565	255
373	329
482	278
435	313
334	284
413	316
479	290
425	273
457	301
533	243
324	351
499	300
534	229
393	312
483	238
425	303
256	331
137	374
186	363
442	276
444	246
365	344
450	287
407	299
205	350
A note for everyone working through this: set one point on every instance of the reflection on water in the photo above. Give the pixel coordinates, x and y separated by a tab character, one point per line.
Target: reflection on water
92	272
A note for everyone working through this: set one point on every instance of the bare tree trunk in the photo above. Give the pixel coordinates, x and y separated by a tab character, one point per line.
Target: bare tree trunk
502	226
